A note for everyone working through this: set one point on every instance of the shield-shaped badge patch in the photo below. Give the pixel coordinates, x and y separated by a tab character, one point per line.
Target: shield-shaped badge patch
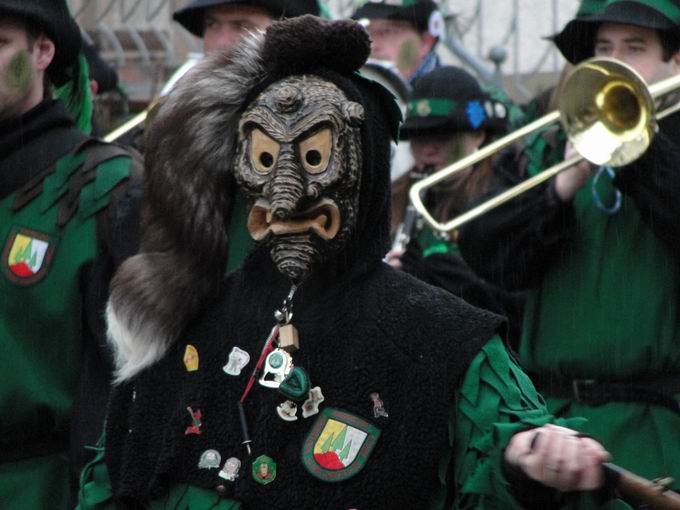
27	256
338	445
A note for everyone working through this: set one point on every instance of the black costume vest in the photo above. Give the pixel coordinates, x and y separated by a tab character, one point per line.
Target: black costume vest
371	331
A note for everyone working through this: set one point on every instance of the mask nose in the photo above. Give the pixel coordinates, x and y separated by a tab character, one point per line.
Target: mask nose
287	186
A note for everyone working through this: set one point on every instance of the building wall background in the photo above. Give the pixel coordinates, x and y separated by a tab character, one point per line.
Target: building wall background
140	39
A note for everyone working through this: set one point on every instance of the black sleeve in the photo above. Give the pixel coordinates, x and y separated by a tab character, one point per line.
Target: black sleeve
450	272
117	237
514	244
653	182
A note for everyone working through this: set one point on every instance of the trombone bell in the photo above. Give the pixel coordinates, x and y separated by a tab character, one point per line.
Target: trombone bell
607	112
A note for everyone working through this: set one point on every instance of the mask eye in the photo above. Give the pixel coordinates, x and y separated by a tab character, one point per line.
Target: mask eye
263	152
315	151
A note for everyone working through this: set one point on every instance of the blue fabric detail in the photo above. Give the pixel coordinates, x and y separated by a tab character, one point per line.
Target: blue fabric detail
430	63
475	114
596	196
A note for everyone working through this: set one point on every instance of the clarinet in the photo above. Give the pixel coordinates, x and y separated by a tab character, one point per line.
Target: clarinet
411	223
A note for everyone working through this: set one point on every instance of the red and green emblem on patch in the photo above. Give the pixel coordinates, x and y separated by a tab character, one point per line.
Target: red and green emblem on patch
338	445
27	255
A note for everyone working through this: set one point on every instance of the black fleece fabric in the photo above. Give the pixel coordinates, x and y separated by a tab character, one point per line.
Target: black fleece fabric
515	244
450	272
363	328
371	330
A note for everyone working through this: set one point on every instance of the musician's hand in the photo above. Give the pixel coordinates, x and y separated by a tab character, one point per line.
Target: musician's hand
568	182
557	457
393	258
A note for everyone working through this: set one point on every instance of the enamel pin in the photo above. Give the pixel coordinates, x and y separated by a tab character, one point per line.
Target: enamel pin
264	470
276	367
287	410
311	405
238	359
379	410
230	469
195	427
210	459
191	358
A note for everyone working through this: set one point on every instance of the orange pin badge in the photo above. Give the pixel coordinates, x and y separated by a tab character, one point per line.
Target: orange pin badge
191	358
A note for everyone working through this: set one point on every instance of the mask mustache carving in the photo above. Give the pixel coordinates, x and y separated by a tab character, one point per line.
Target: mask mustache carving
322	218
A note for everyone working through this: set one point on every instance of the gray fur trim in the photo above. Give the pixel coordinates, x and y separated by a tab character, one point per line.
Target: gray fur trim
188	194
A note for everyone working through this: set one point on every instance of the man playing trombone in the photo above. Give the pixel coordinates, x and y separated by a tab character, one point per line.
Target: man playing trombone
598	249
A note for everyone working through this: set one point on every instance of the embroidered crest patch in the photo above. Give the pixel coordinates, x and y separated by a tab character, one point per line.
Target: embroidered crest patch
338	445
27	256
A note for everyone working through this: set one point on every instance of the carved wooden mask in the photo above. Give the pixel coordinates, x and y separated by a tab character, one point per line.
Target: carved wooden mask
299	162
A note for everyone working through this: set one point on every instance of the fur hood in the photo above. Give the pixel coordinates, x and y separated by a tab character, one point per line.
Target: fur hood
188	196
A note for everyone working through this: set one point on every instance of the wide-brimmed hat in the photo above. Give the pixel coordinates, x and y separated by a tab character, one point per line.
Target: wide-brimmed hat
577	40
449	100
416	12
192	17
52	17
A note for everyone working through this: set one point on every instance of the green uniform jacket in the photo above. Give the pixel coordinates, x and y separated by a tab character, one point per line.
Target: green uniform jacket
48	228
605	292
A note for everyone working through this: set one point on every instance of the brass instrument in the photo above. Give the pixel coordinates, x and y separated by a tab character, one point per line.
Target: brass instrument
140	118
411	224
608	113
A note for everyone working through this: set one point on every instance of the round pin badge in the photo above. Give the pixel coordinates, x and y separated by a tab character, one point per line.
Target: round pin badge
264	470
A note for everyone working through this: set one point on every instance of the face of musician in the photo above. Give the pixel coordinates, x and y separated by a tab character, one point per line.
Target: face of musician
438	151
225	25
23	61
639	47
400	43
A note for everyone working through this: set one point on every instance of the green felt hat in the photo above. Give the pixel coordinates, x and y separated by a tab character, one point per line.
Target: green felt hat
576	41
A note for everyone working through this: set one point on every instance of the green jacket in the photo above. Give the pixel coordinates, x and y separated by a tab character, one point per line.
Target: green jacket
53	231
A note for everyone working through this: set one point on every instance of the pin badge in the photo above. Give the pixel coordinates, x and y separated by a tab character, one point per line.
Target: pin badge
191	358
311	405
276	367
238	359
230	469
210	459
296	384
195	427
379	410
287	410
264	470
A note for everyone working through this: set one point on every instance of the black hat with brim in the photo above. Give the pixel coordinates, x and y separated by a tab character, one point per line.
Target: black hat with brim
415	12
576	41
450	100
192	17
53	18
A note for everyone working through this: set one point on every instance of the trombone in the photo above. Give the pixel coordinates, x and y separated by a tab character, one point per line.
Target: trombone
613	125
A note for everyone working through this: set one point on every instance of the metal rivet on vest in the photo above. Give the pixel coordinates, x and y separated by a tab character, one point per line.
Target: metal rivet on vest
221	490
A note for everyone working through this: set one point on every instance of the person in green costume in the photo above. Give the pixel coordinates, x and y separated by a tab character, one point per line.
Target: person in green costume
404	33
66	221
449	116
415	402
598	249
